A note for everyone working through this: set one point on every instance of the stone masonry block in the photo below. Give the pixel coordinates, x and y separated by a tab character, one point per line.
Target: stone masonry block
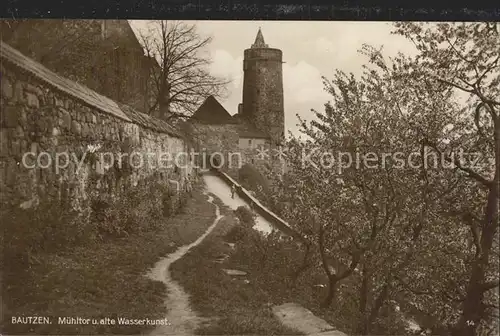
18	92
58	101
76	127
11	172
11	115
16	148
32	100
23	117
4	145
34	89
19	132
85	130
65	118
42	125
7	89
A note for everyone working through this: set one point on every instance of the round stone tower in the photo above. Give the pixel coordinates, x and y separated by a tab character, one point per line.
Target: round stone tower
263	89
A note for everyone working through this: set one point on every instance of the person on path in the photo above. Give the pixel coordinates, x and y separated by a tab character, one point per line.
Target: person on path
189	187
233	189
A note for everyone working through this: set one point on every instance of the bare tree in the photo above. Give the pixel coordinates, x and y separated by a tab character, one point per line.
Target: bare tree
180	78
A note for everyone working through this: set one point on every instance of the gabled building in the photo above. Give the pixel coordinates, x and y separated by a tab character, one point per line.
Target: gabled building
257	129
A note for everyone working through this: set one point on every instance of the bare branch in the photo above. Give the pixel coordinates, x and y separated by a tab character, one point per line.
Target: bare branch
457	163
491	285
182	80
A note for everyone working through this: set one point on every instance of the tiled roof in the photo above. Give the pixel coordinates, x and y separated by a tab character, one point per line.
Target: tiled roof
76	90
212	112
259	41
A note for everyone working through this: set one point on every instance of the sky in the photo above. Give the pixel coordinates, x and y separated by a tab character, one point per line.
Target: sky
311	49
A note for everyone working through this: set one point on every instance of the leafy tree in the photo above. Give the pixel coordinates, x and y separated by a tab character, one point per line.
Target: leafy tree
416	233
464	59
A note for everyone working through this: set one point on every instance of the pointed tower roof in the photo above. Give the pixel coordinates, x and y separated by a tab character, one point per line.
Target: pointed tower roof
259	41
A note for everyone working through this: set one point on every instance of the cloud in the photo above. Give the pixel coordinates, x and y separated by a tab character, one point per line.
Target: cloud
302	82
225	65
310	49
303	90
323	44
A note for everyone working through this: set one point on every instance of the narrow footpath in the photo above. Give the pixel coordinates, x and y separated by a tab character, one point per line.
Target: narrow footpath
219	188
182	319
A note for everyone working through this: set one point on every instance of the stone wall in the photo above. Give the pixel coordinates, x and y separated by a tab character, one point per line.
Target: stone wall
98	144
251	143
106	56
223	139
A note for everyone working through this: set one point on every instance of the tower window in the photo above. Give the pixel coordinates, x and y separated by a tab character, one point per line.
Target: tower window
250	142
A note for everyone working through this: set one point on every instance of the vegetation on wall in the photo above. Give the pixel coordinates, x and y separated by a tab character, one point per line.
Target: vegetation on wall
252	179
61	262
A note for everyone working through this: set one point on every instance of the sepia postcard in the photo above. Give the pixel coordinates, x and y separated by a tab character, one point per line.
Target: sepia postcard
198	177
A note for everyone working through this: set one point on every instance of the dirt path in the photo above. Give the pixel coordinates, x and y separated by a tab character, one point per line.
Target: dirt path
183	320
220	189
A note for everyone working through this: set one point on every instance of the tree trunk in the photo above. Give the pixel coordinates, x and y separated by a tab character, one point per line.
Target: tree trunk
164	99
332	291
305	265
379	302
332	277
164	108
472	309
363	300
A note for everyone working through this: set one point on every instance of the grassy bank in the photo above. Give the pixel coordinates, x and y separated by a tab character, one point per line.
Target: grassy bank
105	279
234	306
240	305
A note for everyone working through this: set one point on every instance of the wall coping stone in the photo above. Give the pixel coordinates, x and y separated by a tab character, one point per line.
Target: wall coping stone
83	93
148	121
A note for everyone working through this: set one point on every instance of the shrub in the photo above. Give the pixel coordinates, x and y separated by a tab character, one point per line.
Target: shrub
236	234
182	203
166	201
50	227
137	210
53	226
252	179
245	215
